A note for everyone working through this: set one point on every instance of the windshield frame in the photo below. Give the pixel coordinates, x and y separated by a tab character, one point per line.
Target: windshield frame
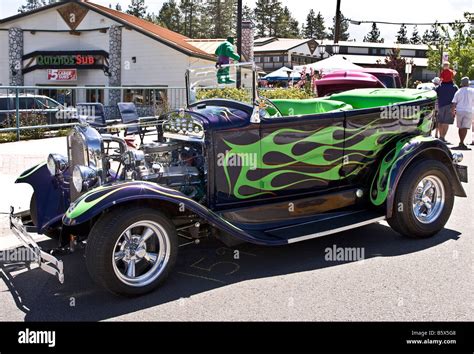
250	65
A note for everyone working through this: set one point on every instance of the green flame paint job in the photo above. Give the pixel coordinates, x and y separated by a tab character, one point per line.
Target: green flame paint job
381	183
369	146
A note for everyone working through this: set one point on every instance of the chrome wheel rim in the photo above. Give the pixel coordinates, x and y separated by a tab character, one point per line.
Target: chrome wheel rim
428	199
141	253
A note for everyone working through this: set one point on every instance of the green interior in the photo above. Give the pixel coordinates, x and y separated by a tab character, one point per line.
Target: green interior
307	106
370	98
353	99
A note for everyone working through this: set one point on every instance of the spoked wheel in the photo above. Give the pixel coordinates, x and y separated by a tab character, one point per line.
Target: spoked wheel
141	253
428	199
131	252
423	200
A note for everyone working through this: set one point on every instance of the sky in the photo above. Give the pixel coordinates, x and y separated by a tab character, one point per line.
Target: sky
366	10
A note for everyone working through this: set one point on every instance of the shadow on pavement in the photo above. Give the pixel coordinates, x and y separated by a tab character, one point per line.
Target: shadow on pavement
200	268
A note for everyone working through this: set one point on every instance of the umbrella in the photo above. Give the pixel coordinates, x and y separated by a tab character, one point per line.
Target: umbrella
282	75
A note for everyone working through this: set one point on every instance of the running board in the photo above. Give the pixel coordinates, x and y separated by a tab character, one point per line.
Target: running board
305	231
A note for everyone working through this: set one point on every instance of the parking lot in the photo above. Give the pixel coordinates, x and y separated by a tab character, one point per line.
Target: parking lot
397	279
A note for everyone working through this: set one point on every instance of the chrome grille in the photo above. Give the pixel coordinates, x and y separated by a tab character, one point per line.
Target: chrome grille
77	154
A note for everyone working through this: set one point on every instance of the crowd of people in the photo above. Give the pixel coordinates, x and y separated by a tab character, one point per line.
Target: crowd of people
454	104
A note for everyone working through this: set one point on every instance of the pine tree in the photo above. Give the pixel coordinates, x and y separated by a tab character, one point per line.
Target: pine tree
118	7
374	35
170	16
137	8
402	35
415	37
262	17
287	26
431	36
31	5
224	15
319	27
344	29
309	27
248	13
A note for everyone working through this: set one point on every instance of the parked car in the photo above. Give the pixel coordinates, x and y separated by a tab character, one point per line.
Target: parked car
32	104
389	77
343	80
426	86
272	173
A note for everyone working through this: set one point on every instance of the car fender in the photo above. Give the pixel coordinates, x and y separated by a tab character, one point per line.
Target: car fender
395	162
52	199
98	200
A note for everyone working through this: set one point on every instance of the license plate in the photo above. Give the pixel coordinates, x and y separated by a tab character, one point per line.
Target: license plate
462	173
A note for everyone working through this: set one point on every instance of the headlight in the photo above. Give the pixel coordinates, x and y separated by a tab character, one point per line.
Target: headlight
83	178
57	164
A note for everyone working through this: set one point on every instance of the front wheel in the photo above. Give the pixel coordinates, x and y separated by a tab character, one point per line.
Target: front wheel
131	252
423	200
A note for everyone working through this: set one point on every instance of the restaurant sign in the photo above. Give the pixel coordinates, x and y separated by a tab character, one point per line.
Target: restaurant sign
62	75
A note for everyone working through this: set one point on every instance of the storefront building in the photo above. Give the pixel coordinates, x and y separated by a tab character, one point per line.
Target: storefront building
76	43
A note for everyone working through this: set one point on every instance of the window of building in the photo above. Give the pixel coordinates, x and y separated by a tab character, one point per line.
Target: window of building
257	59
95	95
267	59
276	59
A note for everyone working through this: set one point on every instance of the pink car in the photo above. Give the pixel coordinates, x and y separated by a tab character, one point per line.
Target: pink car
344	80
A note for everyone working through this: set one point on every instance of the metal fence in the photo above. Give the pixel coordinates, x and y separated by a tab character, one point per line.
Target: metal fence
24	109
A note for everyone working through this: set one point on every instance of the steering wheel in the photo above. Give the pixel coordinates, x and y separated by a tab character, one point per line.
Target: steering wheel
264	103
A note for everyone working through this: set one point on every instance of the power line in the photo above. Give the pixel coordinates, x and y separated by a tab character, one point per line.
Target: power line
355	22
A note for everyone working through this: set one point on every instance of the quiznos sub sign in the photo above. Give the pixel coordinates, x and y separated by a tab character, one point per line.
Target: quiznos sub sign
62	75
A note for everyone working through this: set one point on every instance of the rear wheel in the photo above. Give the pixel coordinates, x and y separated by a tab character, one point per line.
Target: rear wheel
423	200
131	252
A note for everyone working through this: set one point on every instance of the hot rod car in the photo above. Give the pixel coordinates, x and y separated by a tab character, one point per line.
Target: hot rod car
271	172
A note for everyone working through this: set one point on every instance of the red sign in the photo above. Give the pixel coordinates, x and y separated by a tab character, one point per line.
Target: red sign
62	75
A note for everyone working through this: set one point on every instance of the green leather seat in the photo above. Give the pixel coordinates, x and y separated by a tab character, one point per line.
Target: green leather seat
289	107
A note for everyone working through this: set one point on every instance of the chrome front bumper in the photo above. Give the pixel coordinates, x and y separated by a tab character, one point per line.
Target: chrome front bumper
46	262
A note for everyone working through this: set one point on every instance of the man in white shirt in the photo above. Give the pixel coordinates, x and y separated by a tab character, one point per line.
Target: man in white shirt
463	108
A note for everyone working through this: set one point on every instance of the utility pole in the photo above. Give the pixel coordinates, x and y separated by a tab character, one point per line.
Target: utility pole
337	29
239	39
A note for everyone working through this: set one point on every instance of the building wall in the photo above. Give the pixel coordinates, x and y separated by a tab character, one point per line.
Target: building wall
4	69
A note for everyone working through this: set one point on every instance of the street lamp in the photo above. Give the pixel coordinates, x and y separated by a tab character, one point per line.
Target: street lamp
335	49
320	50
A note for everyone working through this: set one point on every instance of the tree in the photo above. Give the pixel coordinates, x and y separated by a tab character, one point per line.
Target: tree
319	27
267	13
394	61
374	35
309	27
402	35
415	37
137	8
343	29
248	13
431	36
170	16
286	25
118	7
31	5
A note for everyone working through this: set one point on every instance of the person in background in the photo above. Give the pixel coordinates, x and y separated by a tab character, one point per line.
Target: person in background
436	82
445	93
462	108
447	75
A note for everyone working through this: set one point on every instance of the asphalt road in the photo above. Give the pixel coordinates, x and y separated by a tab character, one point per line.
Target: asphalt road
399	279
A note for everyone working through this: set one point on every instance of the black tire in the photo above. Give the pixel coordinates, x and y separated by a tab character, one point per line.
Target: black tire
104	239
52	233
403	219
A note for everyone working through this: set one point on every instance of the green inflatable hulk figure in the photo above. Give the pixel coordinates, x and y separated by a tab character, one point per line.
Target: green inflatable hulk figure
224	53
